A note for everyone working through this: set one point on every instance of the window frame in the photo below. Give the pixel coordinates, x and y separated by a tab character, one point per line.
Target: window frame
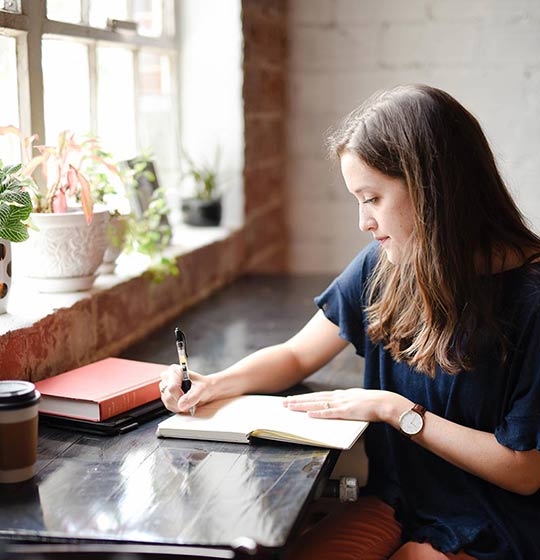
32	25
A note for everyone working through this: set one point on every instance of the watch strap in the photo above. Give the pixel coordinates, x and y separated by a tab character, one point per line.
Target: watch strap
420	409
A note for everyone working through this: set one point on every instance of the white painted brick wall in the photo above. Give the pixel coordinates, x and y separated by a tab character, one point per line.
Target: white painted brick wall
484	52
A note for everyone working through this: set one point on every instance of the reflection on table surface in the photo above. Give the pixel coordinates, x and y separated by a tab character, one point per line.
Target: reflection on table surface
136	487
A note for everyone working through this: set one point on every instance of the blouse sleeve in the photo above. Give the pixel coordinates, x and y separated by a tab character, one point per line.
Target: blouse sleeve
520	427
343	301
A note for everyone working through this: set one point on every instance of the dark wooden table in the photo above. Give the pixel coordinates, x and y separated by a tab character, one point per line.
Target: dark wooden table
154	497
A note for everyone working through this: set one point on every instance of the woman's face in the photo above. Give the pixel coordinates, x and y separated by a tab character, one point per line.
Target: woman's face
385	208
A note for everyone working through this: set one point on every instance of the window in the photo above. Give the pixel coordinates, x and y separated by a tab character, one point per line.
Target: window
9	105
105	67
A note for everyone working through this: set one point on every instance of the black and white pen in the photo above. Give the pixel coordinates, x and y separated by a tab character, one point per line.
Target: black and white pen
182	359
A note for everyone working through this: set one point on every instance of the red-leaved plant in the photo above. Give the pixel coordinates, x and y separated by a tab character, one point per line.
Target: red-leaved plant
62	169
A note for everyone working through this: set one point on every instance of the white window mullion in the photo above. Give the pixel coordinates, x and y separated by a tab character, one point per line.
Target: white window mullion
83	32
23	84
175	80
85	12
169	21
137	101
130	10
36	12
93	74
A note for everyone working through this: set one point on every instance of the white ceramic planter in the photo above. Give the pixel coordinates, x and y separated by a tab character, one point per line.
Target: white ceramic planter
64	255
5	273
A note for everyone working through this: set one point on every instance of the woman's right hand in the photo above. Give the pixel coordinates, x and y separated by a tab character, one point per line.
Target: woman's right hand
172	395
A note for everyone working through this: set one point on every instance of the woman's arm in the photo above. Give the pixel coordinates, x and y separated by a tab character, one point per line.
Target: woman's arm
474	451
480	454
269	370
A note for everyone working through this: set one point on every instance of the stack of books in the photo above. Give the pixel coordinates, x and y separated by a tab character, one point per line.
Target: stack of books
98	396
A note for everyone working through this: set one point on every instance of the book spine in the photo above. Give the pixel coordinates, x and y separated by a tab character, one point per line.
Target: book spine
126	401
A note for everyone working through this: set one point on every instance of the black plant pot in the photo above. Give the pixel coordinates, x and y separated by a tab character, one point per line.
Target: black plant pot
200	212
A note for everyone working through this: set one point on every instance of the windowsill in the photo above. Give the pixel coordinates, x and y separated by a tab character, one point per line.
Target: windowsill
27	306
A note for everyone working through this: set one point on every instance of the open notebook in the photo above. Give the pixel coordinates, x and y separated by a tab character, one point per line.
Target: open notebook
240	418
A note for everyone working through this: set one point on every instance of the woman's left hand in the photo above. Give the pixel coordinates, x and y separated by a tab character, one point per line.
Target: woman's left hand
370	405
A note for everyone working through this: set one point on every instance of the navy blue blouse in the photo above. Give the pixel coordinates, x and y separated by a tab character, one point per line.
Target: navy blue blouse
435	501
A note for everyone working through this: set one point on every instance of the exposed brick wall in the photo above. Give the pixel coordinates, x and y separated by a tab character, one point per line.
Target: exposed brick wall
265	50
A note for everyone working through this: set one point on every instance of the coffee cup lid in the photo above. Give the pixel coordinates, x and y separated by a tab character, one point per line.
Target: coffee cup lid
15	393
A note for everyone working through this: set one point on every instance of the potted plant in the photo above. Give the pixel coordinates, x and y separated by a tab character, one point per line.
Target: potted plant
66	249
147	229
15	209
203	206
138	213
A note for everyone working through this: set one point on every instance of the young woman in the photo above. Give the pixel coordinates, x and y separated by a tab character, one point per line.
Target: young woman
445	307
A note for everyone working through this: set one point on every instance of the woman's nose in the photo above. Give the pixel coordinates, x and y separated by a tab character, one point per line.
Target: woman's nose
366	222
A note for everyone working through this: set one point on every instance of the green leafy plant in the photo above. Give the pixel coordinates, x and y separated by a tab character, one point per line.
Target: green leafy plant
63	179
204	176
15	203
150	233
149	236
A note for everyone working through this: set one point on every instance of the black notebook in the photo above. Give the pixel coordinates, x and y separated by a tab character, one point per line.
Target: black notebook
120	424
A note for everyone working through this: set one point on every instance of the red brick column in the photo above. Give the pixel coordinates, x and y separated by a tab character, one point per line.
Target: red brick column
264	29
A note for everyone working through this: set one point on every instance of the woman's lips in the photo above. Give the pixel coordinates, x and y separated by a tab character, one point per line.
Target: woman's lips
381	240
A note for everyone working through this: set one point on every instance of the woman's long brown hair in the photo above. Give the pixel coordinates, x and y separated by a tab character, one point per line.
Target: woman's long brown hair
438	305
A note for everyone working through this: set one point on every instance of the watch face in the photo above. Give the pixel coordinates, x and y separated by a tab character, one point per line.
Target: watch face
411	422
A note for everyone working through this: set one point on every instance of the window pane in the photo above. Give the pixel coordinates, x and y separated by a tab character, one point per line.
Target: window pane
66	88
157	116
149	17
101	10
116	101
64	10
9	106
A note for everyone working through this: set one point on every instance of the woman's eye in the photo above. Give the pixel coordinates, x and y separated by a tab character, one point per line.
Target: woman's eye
369	200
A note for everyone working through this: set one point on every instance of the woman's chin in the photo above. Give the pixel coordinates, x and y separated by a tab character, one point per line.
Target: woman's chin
392	255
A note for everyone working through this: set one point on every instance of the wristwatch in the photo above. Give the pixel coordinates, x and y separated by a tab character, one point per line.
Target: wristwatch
411	421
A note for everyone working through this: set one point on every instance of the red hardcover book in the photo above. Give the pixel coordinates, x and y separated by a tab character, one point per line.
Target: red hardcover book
100	390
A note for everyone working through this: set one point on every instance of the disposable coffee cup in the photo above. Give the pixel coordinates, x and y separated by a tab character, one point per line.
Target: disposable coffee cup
19	402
